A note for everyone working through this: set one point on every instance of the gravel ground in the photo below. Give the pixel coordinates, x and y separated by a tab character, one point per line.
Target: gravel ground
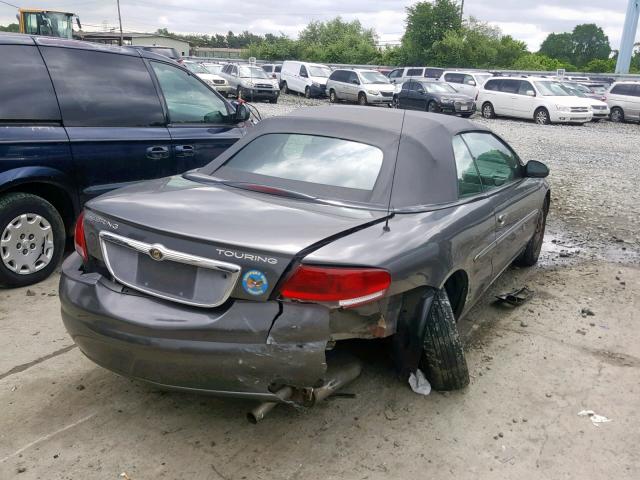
574	346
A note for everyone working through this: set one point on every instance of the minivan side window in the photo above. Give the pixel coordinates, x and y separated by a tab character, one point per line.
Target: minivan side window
414	72
97	89
622	89
454	77
497	164
188	100
303	71
353	78
525	87
510	86
396	73
468	177
493	85
636	91
23	75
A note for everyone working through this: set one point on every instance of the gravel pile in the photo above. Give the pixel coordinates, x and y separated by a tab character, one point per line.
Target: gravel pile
595	177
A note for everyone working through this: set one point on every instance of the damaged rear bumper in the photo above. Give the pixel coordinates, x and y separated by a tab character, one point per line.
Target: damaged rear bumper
243	349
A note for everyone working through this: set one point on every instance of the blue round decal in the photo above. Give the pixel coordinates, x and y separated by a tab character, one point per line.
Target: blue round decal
255	282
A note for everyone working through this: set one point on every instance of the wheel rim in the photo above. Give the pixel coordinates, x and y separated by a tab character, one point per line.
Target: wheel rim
362	99
332	97
26	244
487	111
395	103
541	117
616	115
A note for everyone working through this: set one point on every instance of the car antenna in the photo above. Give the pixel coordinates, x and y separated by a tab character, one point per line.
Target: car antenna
386	227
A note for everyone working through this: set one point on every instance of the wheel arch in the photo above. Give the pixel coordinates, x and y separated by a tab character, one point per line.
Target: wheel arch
56	191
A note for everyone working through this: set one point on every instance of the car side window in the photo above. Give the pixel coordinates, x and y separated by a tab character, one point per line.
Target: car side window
303	71
525	87
468	177
497	163
636	91
469	80
97	89
492	85
419	87
395	73
23	75
621	90
406	86
510	86
353	78
188	100
414	72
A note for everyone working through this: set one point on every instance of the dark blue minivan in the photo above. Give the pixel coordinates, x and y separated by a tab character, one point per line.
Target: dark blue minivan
79	119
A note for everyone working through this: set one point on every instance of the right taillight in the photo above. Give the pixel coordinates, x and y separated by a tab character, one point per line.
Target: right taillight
79	240
342	287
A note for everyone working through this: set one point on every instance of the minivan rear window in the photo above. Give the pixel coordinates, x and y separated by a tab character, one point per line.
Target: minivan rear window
308	158
26	93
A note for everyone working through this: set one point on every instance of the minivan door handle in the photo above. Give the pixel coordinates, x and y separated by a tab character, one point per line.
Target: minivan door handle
157	152
184	150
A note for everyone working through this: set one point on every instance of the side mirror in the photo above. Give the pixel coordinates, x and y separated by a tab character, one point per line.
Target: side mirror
242	112
471	82
535	169
531	93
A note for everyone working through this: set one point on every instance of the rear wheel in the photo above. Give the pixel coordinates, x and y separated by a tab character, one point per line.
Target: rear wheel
443	360
529	257
433	107
332	96
488	111
284	88
238	93
362	99
32	239
541	116
617	115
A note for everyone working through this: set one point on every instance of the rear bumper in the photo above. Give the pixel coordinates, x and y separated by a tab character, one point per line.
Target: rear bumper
242	350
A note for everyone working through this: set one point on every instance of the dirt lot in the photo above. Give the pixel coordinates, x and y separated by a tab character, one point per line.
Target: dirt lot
533	369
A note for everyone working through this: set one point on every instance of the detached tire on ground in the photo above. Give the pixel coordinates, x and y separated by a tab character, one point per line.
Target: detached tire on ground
32	239
443	360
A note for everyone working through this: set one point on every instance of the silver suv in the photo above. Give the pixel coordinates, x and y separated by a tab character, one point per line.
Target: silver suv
358	85
251	82
623	99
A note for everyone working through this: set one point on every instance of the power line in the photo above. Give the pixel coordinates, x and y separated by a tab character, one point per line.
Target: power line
10	4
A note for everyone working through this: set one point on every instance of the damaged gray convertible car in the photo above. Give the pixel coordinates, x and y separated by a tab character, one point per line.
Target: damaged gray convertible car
329	224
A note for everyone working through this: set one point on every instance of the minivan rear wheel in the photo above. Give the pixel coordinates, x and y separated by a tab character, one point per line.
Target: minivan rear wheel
332	96
488	111
541	116
32	239
284	88
617	115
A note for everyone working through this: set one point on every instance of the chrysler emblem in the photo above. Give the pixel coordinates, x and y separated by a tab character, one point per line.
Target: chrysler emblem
156	254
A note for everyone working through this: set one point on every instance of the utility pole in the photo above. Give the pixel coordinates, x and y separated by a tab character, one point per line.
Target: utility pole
628	37
120	21
461	11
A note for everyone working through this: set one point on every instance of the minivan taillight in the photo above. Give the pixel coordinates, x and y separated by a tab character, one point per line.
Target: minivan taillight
343	287
79	240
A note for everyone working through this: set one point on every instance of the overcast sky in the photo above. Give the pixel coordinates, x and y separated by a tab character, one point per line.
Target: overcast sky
529	21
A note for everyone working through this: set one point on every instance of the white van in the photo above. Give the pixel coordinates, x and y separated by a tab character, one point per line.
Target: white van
540	99
624	100
468	83
304	77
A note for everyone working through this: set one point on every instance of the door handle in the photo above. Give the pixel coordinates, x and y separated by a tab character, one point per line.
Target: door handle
157	152
500	220
185	150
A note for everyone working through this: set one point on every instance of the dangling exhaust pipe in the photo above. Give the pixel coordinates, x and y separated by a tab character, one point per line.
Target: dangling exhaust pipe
339	373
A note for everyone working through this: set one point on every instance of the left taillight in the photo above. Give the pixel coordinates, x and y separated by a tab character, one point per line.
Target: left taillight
342	287
79	239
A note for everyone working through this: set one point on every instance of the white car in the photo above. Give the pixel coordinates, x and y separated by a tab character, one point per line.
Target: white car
540	99
359	85
624	100
401	75
468	83
600	108
307	78
212	79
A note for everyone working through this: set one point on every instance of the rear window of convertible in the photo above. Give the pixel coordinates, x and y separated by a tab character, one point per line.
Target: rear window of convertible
311	159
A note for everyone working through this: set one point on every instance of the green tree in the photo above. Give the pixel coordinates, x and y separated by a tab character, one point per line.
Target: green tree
12	27
600	66
428	23
540	62
558	46
589	43
274	48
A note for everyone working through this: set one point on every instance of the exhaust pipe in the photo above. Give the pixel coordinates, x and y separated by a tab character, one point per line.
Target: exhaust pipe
339	373
258	413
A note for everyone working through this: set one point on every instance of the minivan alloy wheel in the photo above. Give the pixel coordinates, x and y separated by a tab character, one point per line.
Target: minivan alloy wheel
617	115
26	244
542	117
487	111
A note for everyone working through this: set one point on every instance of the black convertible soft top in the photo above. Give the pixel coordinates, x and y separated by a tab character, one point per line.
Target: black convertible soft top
418	167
